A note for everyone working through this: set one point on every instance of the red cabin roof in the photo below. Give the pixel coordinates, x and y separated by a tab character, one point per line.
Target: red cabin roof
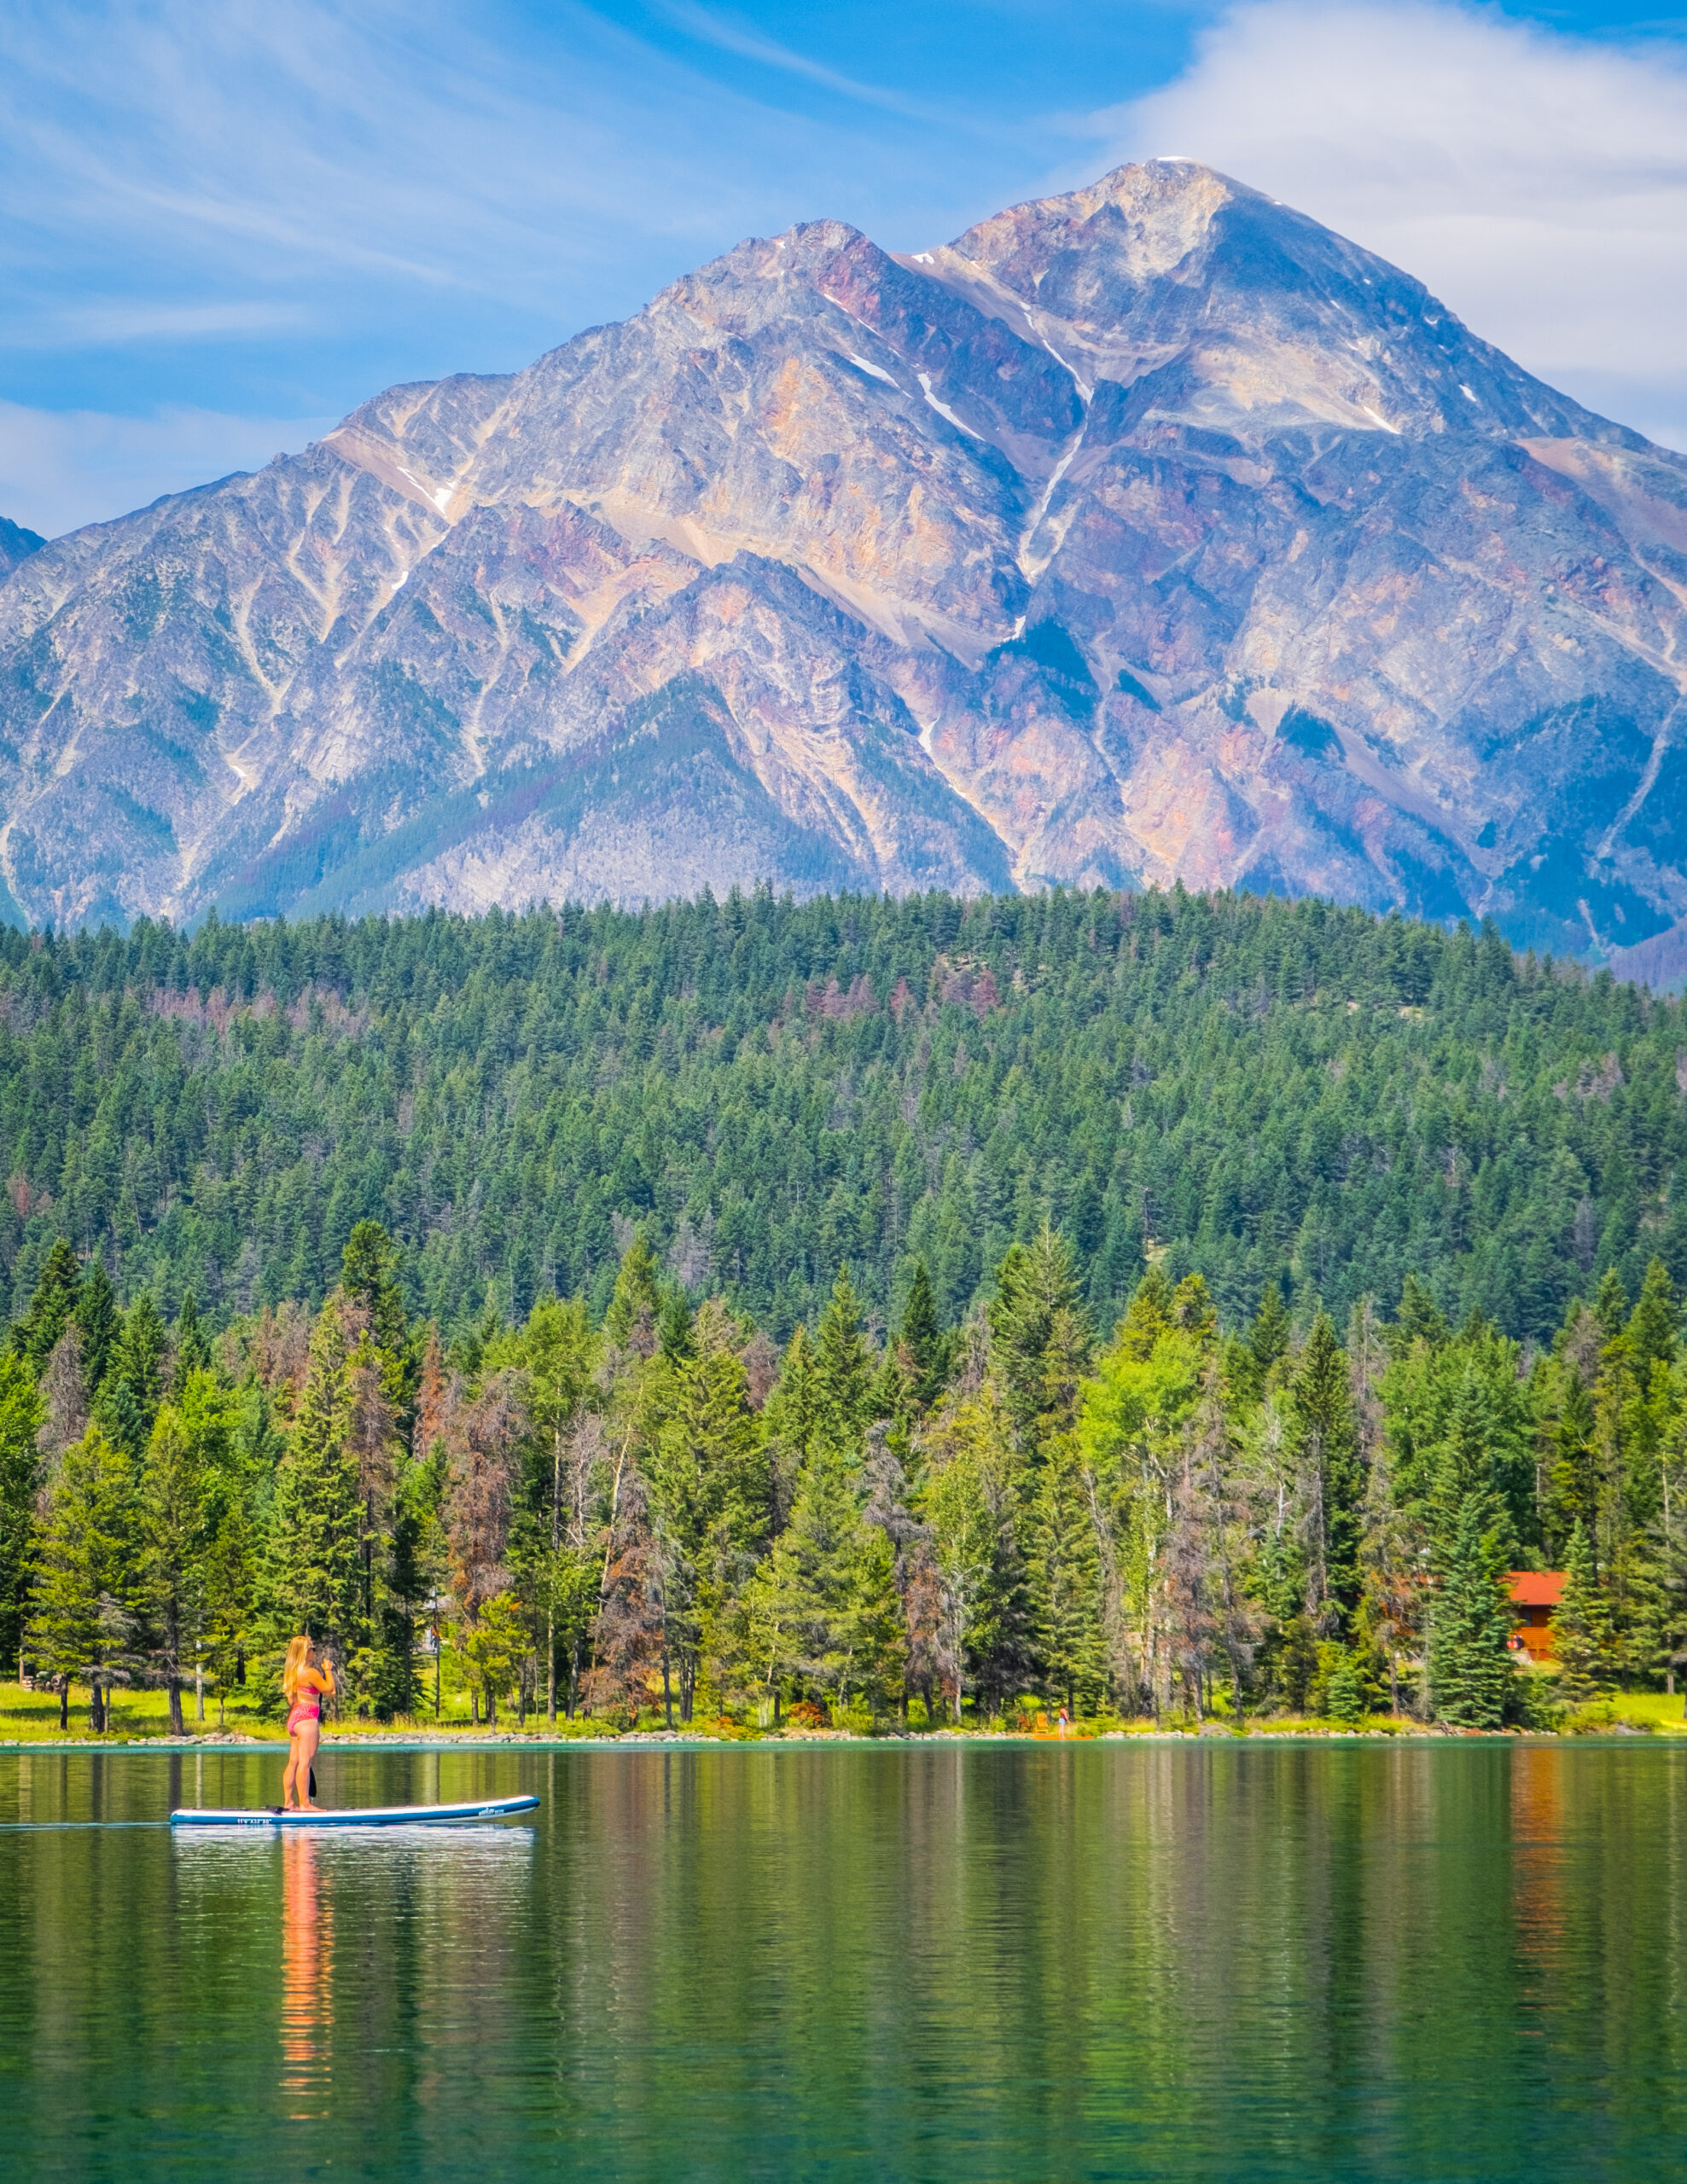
1534	1588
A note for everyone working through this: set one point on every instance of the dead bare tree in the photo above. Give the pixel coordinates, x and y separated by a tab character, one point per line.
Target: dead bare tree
480	1432
627	1639
65	1398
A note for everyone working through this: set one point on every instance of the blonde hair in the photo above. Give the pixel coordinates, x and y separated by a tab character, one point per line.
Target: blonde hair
296	1650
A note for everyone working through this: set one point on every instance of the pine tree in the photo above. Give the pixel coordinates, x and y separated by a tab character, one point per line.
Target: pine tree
1268	1338
394	1682
481	1431
313	1573
1470	1671
1582	1626
557	1354
20	1420
822	1607
81	1621
171	1548
1654	1329
36	1335
1064	1572
133	1386
843	1374
1419	1318
631	1321
1344	1691
627	1624
193	1351
1039	1306
368	1277
1610	1304
64	1394
709	1482
230	1603
972	1503
1147	1318
923	1349
1324	1443
101	1323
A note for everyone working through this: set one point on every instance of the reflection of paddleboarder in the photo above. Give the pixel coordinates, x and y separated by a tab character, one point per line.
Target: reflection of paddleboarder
304	1685
307	1981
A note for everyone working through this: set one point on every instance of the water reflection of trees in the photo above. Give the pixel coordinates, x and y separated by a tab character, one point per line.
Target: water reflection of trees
1218	1958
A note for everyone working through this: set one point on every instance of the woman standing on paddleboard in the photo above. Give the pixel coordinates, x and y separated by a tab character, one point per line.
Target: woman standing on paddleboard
304	1686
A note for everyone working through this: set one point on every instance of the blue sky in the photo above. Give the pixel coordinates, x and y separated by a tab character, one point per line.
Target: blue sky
227	226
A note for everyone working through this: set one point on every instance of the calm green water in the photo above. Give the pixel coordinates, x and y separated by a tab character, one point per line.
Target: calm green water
1230	1960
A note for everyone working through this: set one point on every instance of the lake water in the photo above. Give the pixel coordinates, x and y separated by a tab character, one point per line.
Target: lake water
1235	1960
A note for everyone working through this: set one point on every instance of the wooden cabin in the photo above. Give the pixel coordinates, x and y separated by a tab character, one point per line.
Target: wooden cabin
1533	1595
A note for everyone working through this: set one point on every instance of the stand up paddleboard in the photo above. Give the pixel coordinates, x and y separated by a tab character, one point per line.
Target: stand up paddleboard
367	1817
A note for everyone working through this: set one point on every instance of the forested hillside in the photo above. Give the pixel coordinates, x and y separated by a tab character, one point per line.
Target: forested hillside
1268	1092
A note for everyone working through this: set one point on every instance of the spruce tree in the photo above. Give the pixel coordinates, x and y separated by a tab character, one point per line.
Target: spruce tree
230	1603
36	1335
101	1323
790	1424
393	1687
1268	1338
1038	1308
1573	1490
631	1321
709	1483
673	1327
1419	1318
923	1349
1470	1671
81	1617
1064	1573
1610	1304
1324	1443
313	1575
822	1605
1582	1626
1344	1691
171	1548
1654	1329
193	1351
971	1501
1147	1318
134	1382
21	1419
844	1373
368	1277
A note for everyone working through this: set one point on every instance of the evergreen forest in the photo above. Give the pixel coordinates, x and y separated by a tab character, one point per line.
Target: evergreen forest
759	1313
1270	1092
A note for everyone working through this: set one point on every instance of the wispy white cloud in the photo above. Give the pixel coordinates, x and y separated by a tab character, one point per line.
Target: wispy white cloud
114	323
265	140
60	468
711	27
1537	182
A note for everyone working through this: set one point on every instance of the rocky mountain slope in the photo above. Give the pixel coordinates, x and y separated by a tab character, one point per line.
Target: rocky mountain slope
1149	532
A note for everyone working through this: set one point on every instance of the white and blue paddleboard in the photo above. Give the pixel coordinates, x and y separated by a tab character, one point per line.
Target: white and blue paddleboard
365	1816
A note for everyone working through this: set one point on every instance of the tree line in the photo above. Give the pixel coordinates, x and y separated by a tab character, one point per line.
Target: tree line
1274	1094
658	1513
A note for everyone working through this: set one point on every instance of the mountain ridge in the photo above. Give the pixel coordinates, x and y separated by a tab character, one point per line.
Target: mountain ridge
1150	532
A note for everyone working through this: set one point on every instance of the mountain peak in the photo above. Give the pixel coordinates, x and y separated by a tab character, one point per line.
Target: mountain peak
1152	530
